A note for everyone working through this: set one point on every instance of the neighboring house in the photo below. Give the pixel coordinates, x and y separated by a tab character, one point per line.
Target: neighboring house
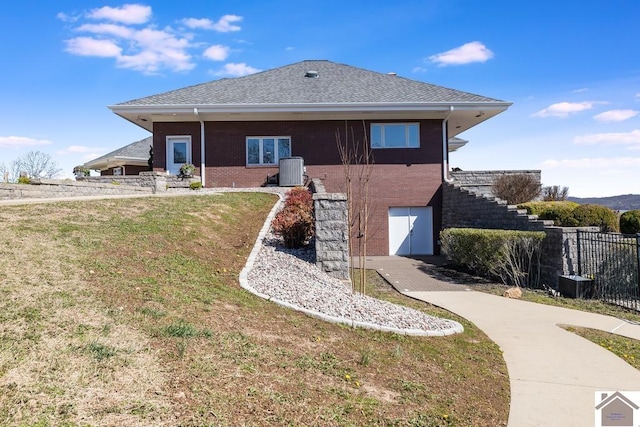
236	130
128	160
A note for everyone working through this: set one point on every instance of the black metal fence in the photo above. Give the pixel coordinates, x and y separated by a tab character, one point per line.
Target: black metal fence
612	260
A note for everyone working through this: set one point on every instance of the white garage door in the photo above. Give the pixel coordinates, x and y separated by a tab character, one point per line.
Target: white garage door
410	231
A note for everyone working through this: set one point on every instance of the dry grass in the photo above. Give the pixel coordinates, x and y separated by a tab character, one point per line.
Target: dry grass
128	312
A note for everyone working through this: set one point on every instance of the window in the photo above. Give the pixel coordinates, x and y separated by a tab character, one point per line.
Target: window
267	150
395	135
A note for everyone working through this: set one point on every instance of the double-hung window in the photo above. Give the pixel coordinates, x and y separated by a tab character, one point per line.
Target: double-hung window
267	150
395	135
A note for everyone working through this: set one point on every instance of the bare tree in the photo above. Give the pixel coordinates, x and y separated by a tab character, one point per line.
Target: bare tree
39	165
10	171
554	193
357	162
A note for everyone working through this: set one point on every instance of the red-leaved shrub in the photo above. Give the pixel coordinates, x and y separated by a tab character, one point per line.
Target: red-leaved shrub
294	223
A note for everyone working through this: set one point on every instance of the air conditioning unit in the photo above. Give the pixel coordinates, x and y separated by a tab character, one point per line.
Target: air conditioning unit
291	172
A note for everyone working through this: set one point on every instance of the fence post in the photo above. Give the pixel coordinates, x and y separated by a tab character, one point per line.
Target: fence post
638	260
578	253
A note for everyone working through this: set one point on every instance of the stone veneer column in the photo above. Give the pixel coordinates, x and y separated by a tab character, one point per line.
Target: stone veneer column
332	233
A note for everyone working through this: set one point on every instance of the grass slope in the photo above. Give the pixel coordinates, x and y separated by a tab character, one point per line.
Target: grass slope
128	312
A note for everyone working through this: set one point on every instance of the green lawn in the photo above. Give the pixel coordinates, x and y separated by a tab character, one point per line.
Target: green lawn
128	312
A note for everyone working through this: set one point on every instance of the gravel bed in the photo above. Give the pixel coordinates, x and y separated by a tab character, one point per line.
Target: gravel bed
290	276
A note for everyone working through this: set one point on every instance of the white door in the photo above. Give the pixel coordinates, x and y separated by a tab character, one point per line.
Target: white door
411	231
178	153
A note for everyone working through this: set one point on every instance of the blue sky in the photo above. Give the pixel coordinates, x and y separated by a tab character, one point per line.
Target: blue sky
571	68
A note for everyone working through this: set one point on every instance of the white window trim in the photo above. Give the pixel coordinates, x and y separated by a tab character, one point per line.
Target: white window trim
406	132
171	138
261	138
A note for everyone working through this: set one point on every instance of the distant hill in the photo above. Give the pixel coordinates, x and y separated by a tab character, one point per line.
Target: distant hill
625	202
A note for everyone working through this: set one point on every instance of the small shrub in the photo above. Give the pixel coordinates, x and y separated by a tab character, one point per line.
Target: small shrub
295	221
630	222
299	196
512	256
197	185
24	180
540	208
561	213
81	171
187	169
516	188
596	216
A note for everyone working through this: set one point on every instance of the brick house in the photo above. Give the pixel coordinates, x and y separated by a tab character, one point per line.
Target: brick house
128	160
236	130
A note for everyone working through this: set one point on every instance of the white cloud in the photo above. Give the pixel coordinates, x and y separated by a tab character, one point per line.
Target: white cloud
419	69
596	163
465	54
614	138
236	70
615	116
148	49
563	109
216	52
66	18
581	90
224	24
289	48
21	141
108	29
127	14
195	23
87	46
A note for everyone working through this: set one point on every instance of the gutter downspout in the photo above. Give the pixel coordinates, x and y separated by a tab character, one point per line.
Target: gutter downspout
445	147
195	111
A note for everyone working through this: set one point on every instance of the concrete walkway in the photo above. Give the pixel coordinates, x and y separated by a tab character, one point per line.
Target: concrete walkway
554	374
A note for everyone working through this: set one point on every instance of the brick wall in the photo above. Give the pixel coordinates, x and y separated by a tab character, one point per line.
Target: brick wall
128	170
401	177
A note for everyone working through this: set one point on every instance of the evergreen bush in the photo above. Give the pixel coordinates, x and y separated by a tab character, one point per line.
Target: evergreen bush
512	256
630	222
596	215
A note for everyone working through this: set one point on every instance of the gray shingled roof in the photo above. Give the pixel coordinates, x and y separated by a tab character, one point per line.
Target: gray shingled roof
335	84
136	150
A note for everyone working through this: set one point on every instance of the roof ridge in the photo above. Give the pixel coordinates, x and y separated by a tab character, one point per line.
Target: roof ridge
336	83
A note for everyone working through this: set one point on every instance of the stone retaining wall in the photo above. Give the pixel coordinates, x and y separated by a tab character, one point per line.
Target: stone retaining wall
332	231
560	253
160	181
464	208
52	188
481	182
